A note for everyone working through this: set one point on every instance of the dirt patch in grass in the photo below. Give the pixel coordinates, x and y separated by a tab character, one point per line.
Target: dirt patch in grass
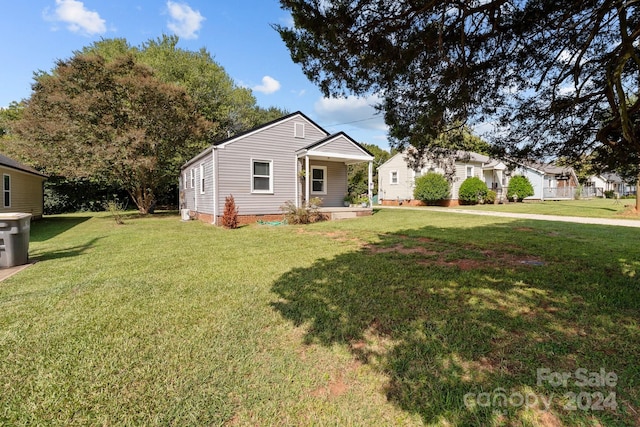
431	253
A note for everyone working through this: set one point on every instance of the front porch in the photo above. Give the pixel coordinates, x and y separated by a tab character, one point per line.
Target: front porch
334	213
322	170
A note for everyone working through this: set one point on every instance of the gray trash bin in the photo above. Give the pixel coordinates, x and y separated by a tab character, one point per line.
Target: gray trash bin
14	237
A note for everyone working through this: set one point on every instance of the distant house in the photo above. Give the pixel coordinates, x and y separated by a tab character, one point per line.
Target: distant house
597	185
397	176
22	188
288	159
550	182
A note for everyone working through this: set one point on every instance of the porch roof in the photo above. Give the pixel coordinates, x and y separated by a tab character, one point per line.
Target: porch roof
338	147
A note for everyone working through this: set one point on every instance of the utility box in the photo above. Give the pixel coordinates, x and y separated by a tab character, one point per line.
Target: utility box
14	239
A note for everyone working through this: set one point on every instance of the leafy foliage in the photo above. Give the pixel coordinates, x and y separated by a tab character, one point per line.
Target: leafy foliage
520	187
431	187
114	120
307	214
548	75
230	214
472	191
62	195
358	174
231	108
490	197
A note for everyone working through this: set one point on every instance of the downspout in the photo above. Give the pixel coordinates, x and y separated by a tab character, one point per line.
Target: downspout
307	181
214	186
370	186
296	181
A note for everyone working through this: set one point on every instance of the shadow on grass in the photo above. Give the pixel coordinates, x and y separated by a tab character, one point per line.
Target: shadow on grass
442	317
64	252
49	227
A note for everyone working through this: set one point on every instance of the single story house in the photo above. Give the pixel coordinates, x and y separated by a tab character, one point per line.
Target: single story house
22	188
396	177
550	182
288	159
596	185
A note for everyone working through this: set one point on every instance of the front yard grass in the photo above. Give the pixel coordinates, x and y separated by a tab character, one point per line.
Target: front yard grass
594	208
395	319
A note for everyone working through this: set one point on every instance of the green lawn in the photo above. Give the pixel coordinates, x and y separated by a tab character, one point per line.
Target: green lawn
395	319
595	208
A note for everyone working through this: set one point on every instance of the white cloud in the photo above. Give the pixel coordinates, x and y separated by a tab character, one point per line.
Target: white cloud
269	85
355	111
185	22
77	17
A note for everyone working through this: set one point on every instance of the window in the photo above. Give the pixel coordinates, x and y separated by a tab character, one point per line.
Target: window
193	178
469	171
201	178
393	177
298	130
261	176
318	180
6	188
184	181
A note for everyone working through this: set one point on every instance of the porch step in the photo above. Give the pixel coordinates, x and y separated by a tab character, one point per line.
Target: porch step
343	215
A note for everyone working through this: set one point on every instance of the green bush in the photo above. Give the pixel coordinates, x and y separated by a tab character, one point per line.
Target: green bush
472	191
431	188
490	197
519	186
303	215
609	194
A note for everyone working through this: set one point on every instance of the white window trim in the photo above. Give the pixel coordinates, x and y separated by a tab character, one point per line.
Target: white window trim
185	183
391	177
472	171
270	190
201	178
324	180
296	126
5	190
192	178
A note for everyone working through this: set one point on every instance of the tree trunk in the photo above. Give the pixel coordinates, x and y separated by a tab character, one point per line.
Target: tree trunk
143	199
638	195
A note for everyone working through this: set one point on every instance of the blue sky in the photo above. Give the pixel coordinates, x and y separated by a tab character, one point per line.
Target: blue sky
237	33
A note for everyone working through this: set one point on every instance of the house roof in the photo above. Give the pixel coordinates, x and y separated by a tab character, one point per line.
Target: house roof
611	177
14	164
251	131
333	136
549	168
266	125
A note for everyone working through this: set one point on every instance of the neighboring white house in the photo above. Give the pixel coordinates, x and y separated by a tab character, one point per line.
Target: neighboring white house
396	177
596	185
288	159
550	182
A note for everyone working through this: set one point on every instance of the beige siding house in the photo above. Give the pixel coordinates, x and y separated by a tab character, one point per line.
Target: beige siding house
288	159
396	177
22	188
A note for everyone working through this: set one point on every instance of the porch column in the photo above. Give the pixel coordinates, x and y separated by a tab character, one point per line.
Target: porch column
307	180
370	186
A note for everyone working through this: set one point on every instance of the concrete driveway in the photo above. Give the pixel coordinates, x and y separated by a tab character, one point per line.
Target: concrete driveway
575	219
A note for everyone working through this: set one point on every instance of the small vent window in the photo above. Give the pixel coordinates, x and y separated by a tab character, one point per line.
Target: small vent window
298	130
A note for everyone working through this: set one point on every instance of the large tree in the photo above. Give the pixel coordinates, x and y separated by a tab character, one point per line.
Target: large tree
230	107
112	120
554	78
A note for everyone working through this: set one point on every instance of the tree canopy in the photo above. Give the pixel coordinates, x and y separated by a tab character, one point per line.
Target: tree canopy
128	117
231	108
112	120
551	78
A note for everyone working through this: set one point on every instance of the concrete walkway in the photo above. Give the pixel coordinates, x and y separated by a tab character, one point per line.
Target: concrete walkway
575	219
5	273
